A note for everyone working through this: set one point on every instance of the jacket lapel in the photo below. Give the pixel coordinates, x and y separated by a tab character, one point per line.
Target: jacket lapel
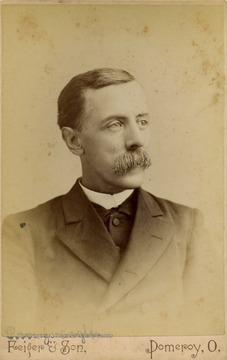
84	233
152	232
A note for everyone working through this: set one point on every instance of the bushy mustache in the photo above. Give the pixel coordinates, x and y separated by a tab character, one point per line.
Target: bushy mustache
131	160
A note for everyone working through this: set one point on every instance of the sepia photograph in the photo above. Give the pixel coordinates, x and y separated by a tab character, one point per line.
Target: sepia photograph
113	173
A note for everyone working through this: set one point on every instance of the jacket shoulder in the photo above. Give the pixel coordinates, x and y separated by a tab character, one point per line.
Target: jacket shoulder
43	213
175	212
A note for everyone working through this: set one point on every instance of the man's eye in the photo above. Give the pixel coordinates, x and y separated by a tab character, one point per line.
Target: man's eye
143	123
115	126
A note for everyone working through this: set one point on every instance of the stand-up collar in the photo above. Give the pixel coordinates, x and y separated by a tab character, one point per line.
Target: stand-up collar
107	201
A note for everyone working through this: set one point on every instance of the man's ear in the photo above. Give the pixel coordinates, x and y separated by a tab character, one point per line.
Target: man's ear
72	139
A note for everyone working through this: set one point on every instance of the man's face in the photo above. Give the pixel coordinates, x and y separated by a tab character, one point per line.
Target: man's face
114	131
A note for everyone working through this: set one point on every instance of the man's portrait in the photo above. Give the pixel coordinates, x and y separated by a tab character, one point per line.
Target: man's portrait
110	246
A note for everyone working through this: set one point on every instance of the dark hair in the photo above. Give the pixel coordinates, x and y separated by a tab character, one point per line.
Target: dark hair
71	101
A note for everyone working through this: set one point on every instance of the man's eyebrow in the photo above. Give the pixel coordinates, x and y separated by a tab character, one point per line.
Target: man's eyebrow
143	114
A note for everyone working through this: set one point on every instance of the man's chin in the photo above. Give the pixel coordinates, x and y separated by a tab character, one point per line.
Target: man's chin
132	179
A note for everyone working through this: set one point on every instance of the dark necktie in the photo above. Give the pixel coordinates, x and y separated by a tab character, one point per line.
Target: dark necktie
119	220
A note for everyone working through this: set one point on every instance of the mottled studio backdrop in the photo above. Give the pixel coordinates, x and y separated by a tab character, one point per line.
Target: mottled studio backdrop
175	52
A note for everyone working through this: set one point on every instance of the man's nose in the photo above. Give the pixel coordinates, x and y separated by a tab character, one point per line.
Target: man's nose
134	138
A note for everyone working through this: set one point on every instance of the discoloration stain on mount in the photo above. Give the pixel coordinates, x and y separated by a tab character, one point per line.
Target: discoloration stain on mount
145	29
207	67
48	69
215	98
164	316
30	29
200	301
198	48
218	81
203	23
54	299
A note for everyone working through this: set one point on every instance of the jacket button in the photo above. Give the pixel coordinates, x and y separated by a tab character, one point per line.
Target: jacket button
115	221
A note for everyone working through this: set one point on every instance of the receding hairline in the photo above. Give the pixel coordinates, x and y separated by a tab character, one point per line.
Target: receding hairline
88	100
103	88
71	100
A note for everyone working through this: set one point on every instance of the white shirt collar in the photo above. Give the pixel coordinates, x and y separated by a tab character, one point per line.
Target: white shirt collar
107	201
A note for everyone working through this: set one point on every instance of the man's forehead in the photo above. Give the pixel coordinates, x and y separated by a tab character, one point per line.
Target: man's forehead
122	95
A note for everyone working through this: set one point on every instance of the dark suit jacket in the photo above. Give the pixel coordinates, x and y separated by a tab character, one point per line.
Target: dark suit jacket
62	272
